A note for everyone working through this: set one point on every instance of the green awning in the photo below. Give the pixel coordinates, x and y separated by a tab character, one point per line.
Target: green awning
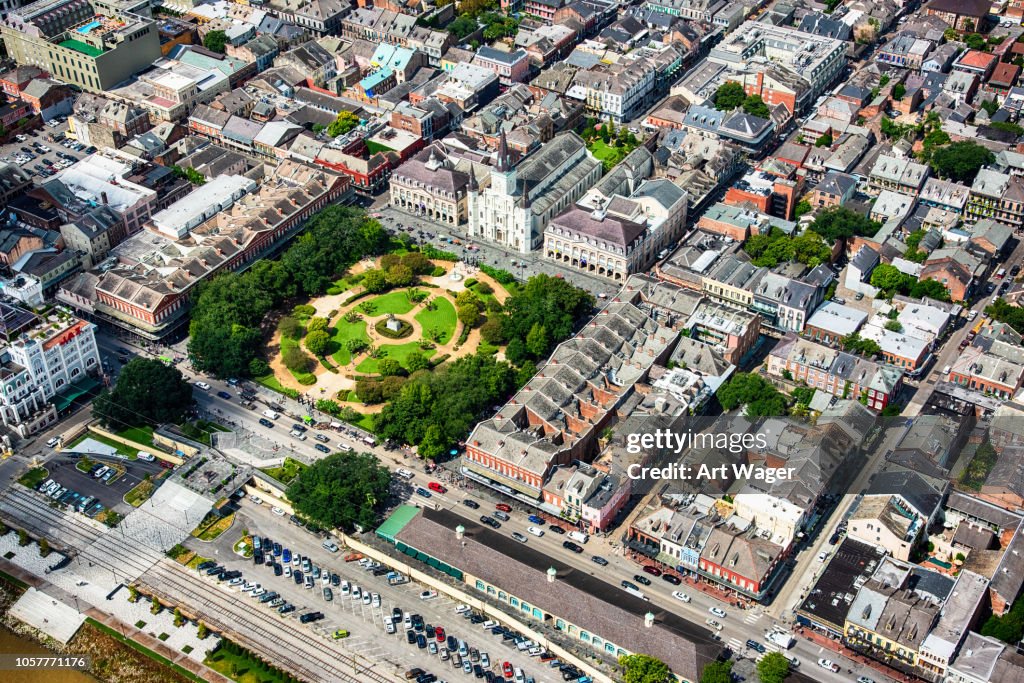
396	522
67	395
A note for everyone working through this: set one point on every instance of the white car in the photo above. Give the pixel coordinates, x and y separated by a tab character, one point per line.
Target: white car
679	595
535	531
828	664
428	595
375	601
822	556
717	611
462	609
203	385
52	442
367	599
346	588
404	473
256	499
277	511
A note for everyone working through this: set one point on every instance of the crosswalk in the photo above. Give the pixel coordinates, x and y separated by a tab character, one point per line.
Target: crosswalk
753	616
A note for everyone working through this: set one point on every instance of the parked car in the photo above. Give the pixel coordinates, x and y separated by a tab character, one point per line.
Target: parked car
717	611
640	578
471	504
569	545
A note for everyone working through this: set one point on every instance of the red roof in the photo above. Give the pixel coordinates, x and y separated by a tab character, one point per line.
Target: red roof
1005	74
976	59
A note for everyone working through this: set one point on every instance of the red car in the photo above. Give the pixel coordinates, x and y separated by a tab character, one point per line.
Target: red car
653	571
439	632
507	670
503	507
434	486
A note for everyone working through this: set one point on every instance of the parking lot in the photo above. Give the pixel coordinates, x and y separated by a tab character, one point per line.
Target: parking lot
37	162
364	622
111	494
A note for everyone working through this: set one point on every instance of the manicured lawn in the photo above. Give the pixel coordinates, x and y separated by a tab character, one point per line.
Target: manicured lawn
270	382
144	650
374	147
243	667
442	318
34	477
343	331
608	154
200	430
285	472
393	302
143	435
397	351
213	526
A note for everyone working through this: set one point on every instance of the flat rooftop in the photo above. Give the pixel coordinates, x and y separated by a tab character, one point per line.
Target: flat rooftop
79	46
830	598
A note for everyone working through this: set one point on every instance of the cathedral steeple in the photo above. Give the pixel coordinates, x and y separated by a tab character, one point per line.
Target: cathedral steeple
504	160
472	186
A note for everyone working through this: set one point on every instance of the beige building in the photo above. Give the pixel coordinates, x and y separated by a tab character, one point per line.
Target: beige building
433	185
90	45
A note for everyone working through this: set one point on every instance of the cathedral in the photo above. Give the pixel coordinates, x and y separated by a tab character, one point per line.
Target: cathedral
521	200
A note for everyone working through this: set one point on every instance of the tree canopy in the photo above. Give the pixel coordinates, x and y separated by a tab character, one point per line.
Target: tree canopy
729	96
643	669
759	395
717	672
773	668
891	281
1006	313
341	491
147	392
436	409
229	309
345	122
961	161
547	303
839	222
215	41
769	250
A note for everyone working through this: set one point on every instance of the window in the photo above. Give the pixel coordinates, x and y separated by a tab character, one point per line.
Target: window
584	636
480	585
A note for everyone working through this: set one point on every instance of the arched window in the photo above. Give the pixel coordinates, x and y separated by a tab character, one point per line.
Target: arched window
502	596
480	585
584	636
559	624
514	602
525	607
608	647
537	613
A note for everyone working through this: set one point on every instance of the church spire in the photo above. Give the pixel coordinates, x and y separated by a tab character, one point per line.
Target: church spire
472	187
504	161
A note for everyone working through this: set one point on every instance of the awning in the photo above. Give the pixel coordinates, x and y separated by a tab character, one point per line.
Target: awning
67	395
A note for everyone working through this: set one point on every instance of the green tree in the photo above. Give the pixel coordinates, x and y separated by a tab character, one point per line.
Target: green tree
146	391
355	346
215	41
802	208
289	327
491	331
416	361
326	405
315	324
824	141
755	106
839	222
155	606
893	326
296	360
974	41
317	342
345	122
468	315
179	618
537	340
462	26
643	669
44	547
960	161
759	395
374	281
190	174
773	668
898	91
341	491
133	594
729	96
202	631
889	278
717	672
400	276
930	288
991	106
388	367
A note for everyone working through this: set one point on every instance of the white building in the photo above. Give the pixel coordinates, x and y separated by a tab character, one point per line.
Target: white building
202	204
520	201
45	363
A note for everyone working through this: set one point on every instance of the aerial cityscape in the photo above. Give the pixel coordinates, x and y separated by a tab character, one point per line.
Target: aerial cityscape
426	341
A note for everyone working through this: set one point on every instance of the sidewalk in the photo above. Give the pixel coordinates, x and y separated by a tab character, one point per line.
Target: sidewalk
837	647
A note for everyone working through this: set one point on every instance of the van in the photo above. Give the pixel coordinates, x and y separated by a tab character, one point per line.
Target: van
295	434
404	473
100	472
273	415
344	447
579	536
144	456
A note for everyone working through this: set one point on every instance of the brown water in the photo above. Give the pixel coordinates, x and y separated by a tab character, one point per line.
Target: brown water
11	643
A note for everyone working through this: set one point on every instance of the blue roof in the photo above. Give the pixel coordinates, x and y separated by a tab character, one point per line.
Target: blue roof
375	79
392	56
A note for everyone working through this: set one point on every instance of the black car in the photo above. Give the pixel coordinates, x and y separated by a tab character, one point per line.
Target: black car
671	578
756	646
203	566
421	642
266	423
471	504
641	579
476	619
215	569
491	522
286	608
278	570
478	671
410	636
453	644
396	613
322	448
277	549
335	580
597	559
555	529
310	617
569	545
426	678
297	575
834	539
629	585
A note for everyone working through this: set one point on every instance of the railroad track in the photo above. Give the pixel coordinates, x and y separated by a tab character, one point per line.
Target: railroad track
255	626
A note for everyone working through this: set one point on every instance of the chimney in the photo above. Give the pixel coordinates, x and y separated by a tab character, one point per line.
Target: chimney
649	620
552	573
103	196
